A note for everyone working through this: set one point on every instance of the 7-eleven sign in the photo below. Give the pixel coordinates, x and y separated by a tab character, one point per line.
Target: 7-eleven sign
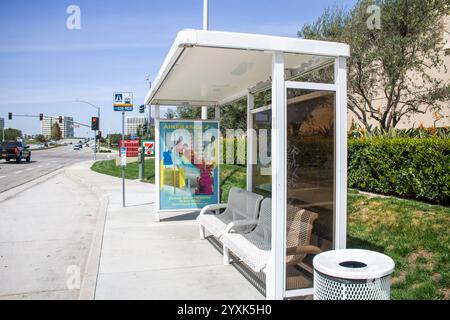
149	148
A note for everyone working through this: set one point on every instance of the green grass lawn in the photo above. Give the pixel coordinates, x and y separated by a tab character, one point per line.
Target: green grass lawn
414	234
131	172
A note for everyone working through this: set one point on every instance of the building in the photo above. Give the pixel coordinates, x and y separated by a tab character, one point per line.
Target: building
2	123
133	124
66	126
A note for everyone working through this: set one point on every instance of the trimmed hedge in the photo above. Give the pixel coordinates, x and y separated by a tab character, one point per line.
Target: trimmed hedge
404	167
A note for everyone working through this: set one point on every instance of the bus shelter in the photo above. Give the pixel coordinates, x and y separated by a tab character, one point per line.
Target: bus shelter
296	92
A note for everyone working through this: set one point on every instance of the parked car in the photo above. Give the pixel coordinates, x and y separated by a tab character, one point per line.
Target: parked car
76	147
15	150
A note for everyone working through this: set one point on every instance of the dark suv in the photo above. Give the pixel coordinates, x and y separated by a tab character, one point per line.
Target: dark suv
15	150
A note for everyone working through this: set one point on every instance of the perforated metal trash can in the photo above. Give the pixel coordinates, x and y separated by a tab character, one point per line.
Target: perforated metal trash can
352	274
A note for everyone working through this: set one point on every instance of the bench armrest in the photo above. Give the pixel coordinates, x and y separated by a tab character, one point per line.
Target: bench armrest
303	250
239	223
213	207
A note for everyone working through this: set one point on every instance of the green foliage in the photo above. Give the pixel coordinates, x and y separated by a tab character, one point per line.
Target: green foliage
232	116
11	134
40	138
114	139
404	167
56	133
231	176
392	63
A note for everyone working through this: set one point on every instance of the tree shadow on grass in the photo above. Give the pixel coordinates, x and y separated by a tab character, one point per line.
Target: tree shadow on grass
356	243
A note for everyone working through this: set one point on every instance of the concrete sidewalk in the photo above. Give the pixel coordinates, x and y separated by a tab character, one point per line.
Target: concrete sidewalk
137	258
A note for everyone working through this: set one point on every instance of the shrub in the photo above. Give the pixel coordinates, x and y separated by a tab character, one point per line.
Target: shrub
404	167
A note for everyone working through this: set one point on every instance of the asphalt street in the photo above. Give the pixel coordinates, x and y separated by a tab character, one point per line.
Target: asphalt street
43	162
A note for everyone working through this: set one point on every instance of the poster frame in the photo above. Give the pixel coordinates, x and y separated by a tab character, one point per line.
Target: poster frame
158	160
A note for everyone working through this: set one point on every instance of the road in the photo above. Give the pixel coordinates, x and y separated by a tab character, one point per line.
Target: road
42	162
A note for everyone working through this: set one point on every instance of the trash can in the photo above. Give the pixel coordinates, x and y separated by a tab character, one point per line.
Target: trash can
352	274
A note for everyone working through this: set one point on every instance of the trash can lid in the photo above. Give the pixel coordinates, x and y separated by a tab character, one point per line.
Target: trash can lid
353	264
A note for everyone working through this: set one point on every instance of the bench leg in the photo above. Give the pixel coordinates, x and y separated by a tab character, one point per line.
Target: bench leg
202	232
226	256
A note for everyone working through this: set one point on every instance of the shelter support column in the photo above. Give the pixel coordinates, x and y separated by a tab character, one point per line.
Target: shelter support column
157	161
276	270
340	74
251	141
204	113
217	113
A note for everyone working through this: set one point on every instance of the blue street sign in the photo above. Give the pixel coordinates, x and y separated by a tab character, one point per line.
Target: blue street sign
123	101
119	108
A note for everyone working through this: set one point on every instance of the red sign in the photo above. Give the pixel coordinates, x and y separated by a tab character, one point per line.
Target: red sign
132	147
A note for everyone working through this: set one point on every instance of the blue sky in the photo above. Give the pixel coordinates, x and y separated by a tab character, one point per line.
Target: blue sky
44	66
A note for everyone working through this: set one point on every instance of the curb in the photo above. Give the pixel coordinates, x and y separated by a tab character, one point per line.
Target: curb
92	265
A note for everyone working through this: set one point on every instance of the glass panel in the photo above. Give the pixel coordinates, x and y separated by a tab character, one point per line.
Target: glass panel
262	170
310	182
306	68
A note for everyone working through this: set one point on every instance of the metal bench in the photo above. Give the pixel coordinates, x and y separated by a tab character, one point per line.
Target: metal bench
241	214
254	247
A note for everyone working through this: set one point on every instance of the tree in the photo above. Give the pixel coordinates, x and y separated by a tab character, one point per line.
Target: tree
114	139
40	138
56	133
232	116
11	134
170	114
391	64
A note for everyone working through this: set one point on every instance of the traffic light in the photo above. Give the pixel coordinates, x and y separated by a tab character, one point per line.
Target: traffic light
9	115
94	123
142	109
99	135
60	119
41	116
145	127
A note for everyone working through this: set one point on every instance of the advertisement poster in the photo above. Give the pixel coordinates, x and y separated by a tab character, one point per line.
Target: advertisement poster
189	157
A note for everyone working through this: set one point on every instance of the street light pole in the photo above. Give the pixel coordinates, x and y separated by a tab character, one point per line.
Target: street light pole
95	132
205	27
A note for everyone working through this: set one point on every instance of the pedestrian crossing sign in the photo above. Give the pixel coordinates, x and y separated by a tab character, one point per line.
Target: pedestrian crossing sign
123	101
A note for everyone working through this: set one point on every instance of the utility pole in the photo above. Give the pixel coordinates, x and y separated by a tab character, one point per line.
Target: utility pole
205	27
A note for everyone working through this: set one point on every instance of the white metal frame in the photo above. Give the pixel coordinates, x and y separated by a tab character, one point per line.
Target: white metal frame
275	275
157	161
277	266
250	140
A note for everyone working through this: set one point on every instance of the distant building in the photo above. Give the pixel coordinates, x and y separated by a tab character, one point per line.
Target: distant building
66	126
2	123
133	124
